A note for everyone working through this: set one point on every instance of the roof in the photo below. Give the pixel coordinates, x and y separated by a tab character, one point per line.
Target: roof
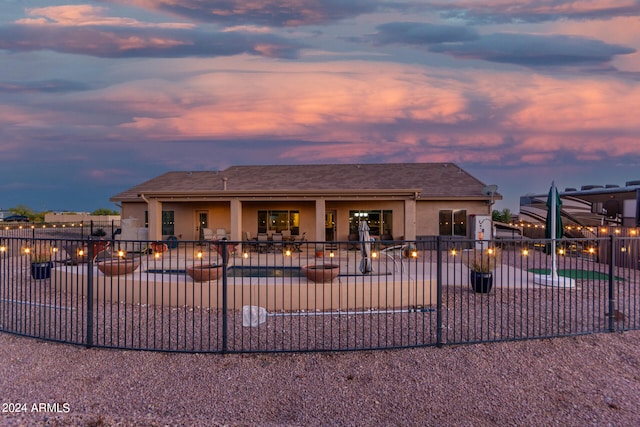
429	180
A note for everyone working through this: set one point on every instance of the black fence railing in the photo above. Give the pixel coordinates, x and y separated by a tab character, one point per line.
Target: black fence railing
60	230
277	295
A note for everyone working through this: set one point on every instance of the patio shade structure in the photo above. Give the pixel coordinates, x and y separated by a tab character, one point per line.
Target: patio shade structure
553	231
366	266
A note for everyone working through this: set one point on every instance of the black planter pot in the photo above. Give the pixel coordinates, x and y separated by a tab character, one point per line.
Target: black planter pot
481	282
41	270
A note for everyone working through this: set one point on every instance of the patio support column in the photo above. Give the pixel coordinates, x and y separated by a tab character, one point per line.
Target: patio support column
155	219
320	217
236	220
410	219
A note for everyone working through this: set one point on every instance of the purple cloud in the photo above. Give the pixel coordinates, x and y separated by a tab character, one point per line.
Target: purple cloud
43	86
418	33
128	42
274	13
500	11
534	50
521	49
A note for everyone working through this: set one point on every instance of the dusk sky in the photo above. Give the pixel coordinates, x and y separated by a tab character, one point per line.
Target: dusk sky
98	96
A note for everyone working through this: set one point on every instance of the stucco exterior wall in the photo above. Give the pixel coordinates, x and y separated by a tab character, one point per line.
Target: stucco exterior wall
75	217
186	221
427	214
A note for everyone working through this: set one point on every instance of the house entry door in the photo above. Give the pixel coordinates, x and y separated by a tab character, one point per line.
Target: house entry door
202	221
330	226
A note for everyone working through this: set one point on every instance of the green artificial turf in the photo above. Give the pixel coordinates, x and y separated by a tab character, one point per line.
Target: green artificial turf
576	274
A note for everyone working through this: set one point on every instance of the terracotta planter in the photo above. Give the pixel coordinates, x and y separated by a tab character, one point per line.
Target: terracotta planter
321	272
116	267
205	272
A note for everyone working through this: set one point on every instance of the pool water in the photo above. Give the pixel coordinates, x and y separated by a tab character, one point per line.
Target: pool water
264	271
244	271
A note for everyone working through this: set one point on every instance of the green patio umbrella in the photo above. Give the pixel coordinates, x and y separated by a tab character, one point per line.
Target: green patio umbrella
553	231
553	221
554	217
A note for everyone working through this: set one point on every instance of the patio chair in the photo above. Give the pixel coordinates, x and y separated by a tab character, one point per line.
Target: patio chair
277	244
263	242
248	243
297	243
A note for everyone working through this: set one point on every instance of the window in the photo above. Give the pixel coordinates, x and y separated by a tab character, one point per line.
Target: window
453	222
380	222
168	223
277	221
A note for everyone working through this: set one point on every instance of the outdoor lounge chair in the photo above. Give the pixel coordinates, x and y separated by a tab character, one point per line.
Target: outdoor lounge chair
76	254
221	234
207	234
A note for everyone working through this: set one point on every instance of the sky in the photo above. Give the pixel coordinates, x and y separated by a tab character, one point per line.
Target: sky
99	96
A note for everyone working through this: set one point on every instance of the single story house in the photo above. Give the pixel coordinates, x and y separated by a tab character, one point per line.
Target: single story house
325	202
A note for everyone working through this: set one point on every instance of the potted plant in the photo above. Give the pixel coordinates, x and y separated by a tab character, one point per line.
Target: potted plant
321	272
481	263
117	266
40	262
204	272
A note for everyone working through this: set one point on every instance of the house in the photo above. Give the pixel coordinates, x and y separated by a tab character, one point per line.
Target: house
326	202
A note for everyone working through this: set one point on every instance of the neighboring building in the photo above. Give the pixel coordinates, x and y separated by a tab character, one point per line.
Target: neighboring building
325	202
77	217
592	205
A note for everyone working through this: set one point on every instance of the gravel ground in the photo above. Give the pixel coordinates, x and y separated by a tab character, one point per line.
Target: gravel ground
578	381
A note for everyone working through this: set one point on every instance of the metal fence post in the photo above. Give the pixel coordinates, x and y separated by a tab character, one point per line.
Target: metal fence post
89	336
225	308
612	261
438	291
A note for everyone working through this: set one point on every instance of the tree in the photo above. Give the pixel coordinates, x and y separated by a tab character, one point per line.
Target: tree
22	210
103	211
502	216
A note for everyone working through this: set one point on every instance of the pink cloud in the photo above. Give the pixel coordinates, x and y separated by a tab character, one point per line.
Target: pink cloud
351	109
86	15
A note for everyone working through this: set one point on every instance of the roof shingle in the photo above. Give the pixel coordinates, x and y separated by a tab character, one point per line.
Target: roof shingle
430	179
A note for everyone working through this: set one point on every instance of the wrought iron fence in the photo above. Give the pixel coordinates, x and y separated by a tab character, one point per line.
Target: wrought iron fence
280	296
60	230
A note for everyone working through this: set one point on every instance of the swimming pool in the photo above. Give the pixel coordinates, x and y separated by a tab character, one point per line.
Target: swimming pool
262	271
244	271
